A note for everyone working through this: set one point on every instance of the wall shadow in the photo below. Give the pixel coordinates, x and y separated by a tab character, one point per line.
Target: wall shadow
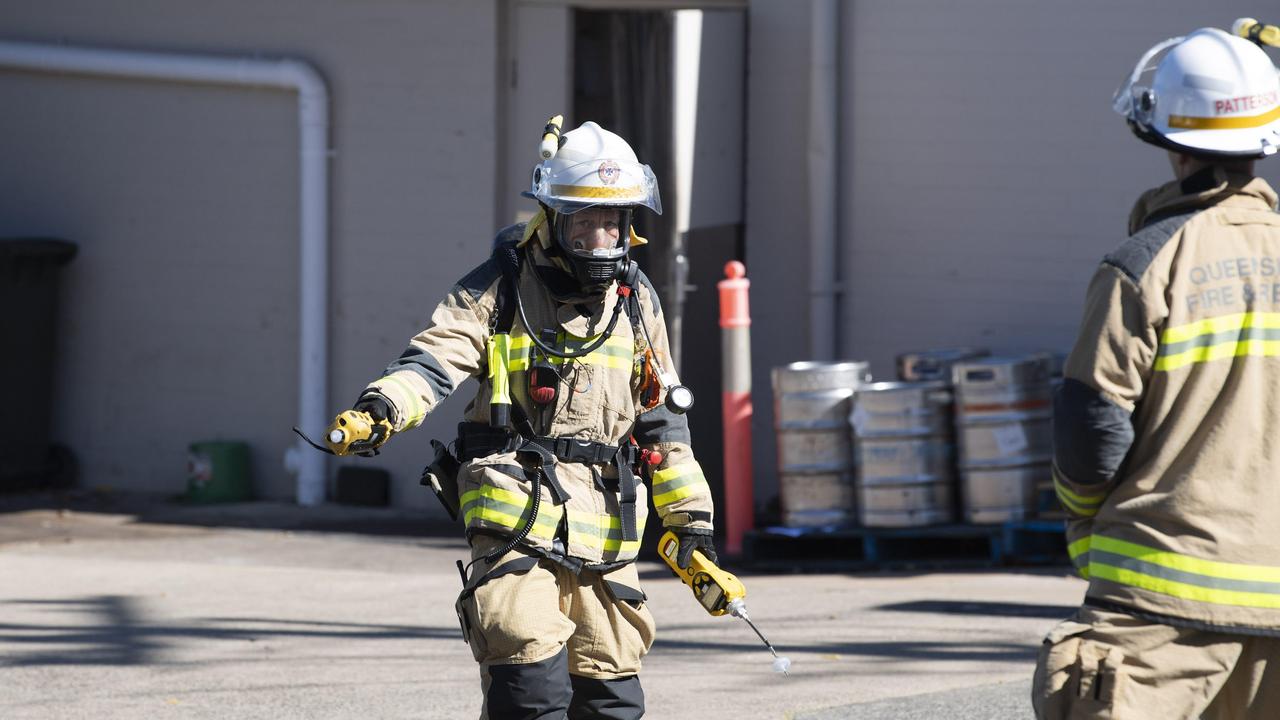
120	634
260	514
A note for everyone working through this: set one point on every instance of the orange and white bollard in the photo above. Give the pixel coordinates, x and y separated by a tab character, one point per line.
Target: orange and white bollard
735	352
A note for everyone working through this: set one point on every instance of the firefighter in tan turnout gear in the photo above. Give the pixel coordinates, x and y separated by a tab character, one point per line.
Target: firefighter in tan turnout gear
578	404
1167	427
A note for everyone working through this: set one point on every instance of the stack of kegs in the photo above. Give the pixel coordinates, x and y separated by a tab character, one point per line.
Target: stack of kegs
1048	506
927	365
1003	410
812	404
905	453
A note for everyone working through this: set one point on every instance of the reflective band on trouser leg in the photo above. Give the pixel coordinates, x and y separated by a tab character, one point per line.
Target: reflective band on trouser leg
678	482
1217	338
499	376
1183	576
507	510
1082	505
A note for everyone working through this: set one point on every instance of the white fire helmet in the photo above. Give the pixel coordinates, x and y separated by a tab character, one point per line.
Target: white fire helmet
594	167
1210	94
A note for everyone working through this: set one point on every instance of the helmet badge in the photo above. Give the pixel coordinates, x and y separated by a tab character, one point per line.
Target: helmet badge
609	172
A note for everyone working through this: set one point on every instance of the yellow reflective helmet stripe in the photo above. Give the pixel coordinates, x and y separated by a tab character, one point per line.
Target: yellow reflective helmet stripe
634	192
1190	122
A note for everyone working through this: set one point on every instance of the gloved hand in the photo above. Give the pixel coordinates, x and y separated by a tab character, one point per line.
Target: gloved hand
693	539
361	430
376	406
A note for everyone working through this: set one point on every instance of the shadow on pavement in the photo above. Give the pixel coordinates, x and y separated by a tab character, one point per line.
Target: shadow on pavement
901	650
979	607
119	634
157	509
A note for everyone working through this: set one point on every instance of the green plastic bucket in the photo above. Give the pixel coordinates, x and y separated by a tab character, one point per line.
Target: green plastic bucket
218	472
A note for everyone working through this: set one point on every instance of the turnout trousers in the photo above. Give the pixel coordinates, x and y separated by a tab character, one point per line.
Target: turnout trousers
1102	664
552	643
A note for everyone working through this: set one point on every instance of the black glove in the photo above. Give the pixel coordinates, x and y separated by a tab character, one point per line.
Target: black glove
377	407
379	411
693	539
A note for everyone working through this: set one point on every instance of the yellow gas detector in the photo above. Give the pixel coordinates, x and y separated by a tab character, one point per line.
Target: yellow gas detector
719	592
355	432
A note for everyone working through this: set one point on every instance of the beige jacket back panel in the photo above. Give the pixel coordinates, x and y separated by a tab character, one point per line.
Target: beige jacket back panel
1182	328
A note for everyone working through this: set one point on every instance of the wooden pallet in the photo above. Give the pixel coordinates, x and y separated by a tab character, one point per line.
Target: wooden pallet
815	549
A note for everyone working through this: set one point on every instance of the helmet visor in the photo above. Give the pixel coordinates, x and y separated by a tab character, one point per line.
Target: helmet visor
1133	99
595	232
563	185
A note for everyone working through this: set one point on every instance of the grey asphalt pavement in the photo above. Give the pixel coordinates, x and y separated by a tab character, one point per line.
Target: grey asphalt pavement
266	611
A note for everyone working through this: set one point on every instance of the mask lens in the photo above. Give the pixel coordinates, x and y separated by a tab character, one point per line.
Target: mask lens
594	233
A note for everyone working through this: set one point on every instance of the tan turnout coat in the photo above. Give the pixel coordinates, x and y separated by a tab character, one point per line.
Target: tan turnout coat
597	401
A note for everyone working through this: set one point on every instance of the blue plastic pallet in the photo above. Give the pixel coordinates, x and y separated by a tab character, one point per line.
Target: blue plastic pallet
1014	543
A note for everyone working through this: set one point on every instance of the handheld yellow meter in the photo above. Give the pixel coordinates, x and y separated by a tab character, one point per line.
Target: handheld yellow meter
354	431
713	587
720	593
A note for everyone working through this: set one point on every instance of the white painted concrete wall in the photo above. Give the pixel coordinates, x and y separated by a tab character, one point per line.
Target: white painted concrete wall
984	174
180	320
716	185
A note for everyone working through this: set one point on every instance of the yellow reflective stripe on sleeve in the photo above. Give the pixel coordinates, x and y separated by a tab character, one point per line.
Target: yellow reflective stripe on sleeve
1183	576
417	408
1080	505
678	482
1217	338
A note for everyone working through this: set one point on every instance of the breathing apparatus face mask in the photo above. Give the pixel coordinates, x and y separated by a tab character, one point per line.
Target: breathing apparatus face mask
594	240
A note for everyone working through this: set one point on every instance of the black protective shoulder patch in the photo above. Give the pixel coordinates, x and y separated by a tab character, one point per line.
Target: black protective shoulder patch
1134	256
509	235
653	294
481	279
